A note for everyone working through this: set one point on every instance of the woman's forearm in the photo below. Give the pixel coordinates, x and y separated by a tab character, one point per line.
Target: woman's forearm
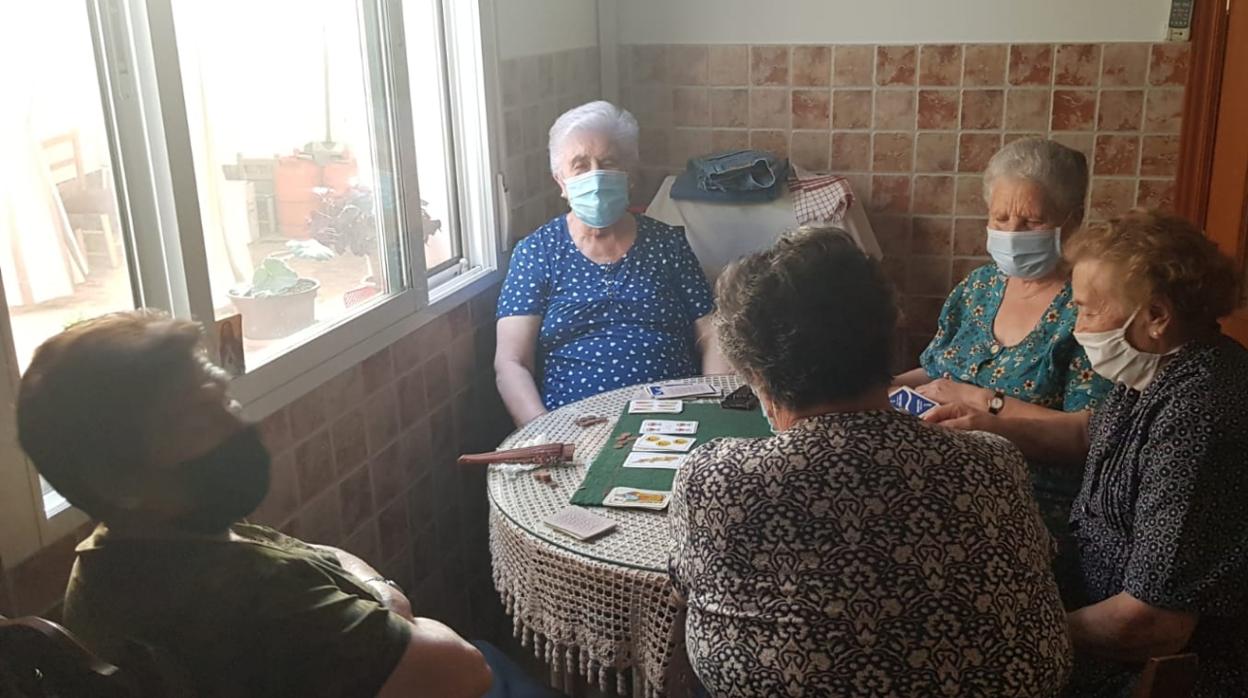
713	361
1026	410
519	392
1125	629
1050	436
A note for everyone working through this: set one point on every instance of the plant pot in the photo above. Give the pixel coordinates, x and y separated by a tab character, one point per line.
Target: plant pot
274	317
338	174
293	182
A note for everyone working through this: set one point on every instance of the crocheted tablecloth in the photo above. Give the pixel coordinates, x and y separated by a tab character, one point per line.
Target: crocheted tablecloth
601	609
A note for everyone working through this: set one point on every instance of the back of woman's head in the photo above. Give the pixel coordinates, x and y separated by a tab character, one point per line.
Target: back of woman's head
810	320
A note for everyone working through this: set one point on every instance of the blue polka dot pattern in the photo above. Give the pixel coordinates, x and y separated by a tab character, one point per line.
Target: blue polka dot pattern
605	326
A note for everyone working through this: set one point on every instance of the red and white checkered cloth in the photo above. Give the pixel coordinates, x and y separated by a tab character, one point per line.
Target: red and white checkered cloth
820	198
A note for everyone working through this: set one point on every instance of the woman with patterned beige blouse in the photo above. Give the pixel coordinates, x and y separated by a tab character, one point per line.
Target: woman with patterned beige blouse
859	551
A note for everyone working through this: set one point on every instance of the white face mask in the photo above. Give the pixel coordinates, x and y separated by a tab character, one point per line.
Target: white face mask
1116	360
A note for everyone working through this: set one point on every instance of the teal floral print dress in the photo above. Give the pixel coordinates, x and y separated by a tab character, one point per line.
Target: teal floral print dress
1047	368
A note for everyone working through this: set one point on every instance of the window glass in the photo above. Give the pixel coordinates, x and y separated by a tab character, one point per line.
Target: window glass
435	160
62	258
292	178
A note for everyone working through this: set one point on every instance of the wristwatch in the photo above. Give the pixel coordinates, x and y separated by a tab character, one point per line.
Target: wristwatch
996	402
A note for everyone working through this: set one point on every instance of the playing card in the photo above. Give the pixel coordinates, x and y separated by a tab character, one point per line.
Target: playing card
655	406
663	442
631	497
679	391
579	523
668	426
648	459
907	400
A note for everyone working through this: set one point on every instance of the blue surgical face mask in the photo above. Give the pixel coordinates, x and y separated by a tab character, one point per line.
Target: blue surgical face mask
1026	254
599	197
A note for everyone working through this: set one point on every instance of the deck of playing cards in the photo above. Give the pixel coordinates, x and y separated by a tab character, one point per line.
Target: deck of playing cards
743	398
655	407
655	459
910	401
679	391
579	523
669	426
633	498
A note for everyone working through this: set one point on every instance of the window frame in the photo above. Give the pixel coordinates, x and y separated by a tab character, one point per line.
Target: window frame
451	166
149	141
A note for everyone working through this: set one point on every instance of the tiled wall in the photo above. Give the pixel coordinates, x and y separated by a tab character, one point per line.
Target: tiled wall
367	462
536	90
912	126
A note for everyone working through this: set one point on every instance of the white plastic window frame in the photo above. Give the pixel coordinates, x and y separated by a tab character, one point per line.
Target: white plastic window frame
140	85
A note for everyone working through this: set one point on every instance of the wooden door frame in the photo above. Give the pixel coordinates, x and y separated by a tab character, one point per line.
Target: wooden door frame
1201	131
1210	23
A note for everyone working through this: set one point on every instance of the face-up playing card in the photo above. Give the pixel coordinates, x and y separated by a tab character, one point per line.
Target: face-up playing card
653	459
633	498
909	401
655	407
669	426
579	523
679	391
663	442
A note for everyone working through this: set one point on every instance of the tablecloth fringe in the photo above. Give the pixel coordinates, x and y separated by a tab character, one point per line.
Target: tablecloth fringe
565	660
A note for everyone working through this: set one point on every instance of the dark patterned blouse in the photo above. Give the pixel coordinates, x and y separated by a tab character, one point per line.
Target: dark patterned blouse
1163	512
866	554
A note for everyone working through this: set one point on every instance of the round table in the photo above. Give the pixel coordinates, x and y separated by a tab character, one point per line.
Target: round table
592	608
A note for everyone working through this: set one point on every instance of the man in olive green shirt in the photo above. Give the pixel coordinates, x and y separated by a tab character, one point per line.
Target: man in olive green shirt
127	420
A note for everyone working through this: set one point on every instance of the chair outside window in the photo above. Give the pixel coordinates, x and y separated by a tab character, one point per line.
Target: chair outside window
87	198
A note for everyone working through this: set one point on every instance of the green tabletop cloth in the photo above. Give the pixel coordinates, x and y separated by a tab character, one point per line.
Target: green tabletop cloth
608	471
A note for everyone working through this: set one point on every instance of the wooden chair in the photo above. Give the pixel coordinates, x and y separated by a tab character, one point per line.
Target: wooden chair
41	659
84	195
1167	677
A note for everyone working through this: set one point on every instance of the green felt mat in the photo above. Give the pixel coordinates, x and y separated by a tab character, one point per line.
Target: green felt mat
608	471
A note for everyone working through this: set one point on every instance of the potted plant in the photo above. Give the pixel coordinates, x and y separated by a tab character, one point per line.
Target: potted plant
278	302
346	223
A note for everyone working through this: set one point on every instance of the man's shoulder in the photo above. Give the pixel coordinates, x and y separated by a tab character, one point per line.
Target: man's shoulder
254	554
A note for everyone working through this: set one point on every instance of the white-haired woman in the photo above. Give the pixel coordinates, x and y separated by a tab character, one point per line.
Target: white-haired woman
598	298
1005	339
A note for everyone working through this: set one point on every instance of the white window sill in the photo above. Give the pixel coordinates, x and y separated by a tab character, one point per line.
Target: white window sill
260	400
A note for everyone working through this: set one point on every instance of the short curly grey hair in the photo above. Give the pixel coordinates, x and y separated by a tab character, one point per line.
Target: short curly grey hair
810	320
597	117
1060	171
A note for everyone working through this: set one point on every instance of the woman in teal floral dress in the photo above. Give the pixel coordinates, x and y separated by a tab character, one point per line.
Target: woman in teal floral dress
1005	338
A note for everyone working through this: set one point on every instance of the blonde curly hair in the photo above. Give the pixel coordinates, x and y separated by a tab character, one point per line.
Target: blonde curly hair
1159	254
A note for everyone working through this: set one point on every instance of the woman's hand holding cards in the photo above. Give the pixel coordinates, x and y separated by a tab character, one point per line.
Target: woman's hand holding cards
946	391
960	415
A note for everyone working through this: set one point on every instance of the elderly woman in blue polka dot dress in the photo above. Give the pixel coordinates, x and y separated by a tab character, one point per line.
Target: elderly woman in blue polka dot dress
598	298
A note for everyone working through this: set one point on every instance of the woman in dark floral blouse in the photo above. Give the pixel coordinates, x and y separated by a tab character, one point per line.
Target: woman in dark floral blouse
1161	520
858	552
